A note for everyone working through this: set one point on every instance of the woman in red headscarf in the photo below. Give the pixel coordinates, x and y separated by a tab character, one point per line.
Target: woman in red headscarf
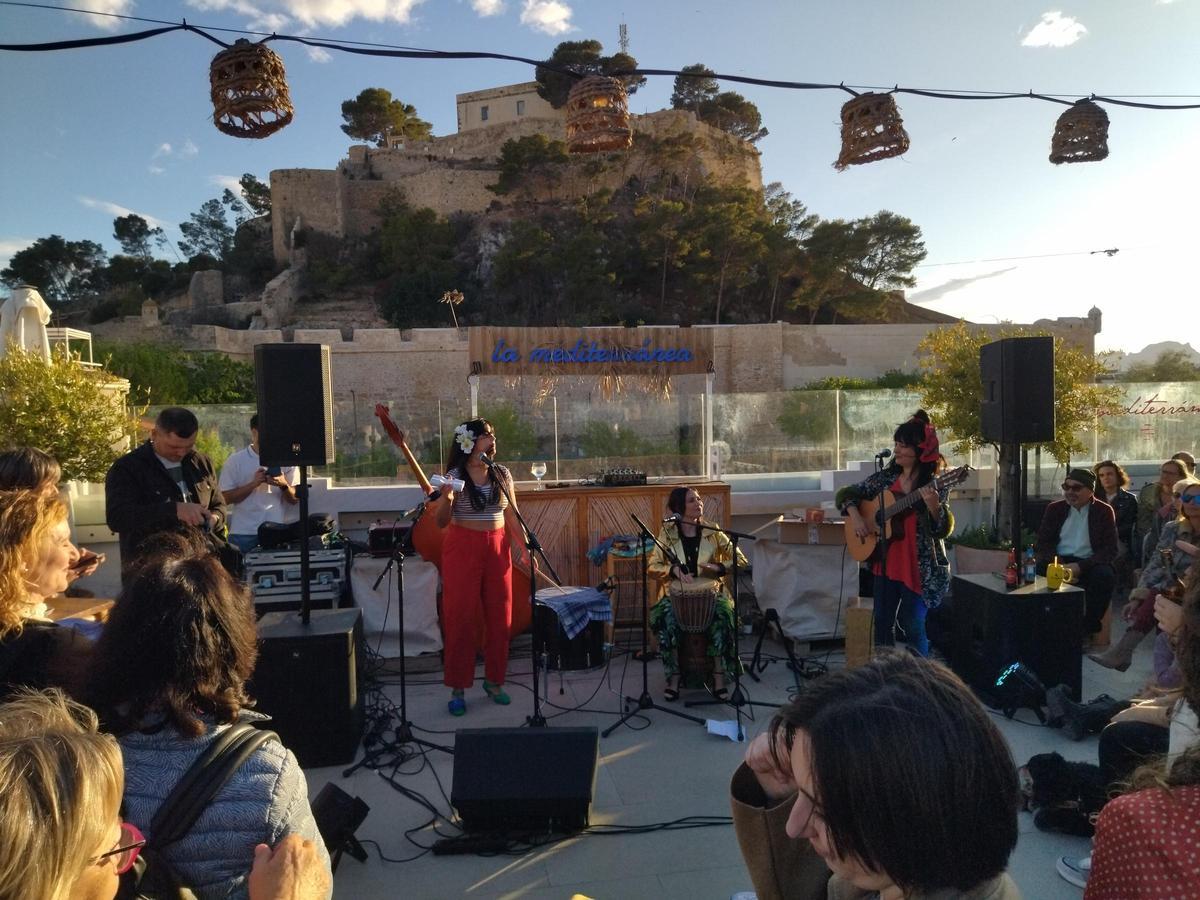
914	577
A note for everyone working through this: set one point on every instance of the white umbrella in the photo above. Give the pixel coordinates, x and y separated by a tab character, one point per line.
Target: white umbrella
23	320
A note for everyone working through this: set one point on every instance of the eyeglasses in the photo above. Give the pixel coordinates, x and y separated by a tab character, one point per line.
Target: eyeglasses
128	847
1072	486
814	808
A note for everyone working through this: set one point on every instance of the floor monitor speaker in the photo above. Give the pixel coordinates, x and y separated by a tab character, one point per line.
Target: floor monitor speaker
524	779
295	404
307	681
1018	390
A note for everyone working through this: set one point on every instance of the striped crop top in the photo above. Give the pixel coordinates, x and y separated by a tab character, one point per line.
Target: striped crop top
497	502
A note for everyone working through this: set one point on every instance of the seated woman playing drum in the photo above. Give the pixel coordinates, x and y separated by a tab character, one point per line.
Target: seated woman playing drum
696	599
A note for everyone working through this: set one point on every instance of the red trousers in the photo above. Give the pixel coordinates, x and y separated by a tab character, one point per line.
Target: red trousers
476	581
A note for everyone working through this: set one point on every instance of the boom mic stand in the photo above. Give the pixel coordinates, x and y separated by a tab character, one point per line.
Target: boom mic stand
645	701
404	731
737	699
537	720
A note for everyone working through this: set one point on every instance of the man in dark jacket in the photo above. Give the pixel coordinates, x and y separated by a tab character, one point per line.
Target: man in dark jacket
164	485
1081	530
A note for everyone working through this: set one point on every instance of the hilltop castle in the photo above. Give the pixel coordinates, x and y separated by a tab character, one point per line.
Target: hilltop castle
451	174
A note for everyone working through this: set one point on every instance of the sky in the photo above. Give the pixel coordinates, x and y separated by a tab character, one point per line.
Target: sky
92	134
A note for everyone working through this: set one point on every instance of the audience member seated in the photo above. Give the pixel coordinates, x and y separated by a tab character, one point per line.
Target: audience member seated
1145	840
1081	531
190	629
36	555
28	467
57	771
1156	506
1178	536
889	780
1113	482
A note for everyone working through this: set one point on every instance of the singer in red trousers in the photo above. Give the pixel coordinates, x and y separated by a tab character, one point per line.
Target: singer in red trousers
477	563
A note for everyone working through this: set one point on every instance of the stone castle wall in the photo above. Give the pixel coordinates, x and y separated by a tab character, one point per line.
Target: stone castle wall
433	363
452	173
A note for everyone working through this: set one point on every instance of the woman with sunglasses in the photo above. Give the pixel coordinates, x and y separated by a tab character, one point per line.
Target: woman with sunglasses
1156	507
1178	536
58	770
889	780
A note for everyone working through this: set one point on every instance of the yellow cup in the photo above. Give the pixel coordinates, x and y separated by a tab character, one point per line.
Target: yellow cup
1054	576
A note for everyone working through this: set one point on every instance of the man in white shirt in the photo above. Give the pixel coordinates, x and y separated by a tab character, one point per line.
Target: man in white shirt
256	494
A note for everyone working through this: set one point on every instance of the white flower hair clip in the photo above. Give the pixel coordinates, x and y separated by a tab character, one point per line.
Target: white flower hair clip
464	437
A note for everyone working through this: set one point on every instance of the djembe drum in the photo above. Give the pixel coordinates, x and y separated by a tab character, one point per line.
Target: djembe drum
694	604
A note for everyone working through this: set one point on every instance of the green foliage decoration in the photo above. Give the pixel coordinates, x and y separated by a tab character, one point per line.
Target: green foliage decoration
167	375
65	408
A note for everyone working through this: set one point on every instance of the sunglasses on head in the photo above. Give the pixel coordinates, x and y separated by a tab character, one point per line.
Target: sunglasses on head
128	847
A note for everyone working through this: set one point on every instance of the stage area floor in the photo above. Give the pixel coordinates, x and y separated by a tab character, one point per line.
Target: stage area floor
654	770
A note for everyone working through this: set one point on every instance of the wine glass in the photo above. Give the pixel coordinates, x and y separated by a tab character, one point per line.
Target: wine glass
538	471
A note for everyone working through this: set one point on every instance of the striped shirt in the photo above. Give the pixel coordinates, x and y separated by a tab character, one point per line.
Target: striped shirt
497	502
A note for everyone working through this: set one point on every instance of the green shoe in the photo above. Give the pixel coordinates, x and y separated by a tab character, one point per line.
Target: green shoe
457	705
496	692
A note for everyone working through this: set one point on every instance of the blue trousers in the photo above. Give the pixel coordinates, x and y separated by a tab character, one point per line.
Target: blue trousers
897	605
244	542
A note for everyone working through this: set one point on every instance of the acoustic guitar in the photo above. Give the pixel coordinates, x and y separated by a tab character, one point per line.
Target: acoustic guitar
428	536
879	511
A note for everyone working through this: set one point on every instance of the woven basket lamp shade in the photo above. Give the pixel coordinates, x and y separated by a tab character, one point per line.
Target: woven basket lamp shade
1080	134
598	116
871	129
249	91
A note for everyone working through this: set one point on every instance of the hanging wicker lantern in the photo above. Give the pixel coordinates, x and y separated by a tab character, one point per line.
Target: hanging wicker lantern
871	129
598	116
1080	134
249	91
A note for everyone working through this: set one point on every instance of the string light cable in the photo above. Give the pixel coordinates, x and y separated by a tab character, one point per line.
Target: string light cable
365	48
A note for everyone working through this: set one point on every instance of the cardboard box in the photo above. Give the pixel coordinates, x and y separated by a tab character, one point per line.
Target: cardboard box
795	531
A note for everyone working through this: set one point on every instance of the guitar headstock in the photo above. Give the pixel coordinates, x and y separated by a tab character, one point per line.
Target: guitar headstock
953	477
385	419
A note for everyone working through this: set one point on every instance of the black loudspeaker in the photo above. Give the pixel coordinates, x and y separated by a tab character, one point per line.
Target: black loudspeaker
991	629
1018	390
307	682
524	779
295	404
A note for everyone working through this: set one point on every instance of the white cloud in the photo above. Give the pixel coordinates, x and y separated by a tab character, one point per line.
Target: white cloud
116	209
319	54
548	16
188	148
488	7
155	170
273	15
115	7
227	181
163	149
1055	30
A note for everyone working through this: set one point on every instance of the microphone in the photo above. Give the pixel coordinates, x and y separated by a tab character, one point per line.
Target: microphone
486	460
675	518
883	454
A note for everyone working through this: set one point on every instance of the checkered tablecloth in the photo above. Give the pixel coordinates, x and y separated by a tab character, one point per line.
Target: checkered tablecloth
576	607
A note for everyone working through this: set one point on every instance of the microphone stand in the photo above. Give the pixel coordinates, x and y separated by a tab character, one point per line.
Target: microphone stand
404	732
880	464
537	720
737	699
645	701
